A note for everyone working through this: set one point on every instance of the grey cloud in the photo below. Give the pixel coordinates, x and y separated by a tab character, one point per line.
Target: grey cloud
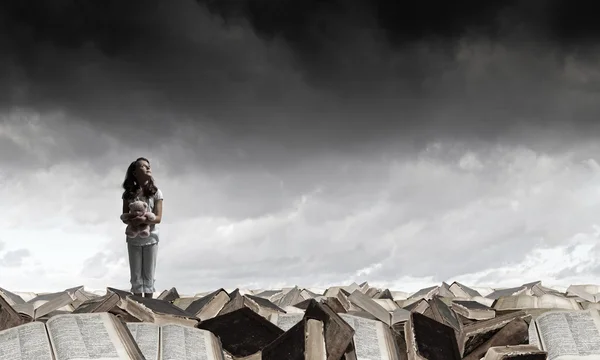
253	192
14	258
418	216
13	155
96	266
177	75
467	73
275	263
572	271
244	122
493	276
595	270
35	141
587	268
302	23
230	274
416	232
142	67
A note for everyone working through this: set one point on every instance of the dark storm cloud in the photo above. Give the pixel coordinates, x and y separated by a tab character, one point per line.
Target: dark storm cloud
335	76
308	25
318	30
155	74
401	62
145	64
12	154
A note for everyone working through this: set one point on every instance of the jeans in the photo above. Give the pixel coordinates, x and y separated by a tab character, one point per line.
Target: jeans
142	263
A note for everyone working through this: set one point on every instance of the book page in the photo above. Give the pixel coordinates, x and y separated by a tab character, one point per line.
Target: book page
586	292
369	338
59	302
314	341
569	333
369	305
516	302
147	337
37	303
586	306
387	304
482	300
286	321
25	308
211	309
533	335
85	336
554	301
186	343
11	298
25	342
400	315
550	301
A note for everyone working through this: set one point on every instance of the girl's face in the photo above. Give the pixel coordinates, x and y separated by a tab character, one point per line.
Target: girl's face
142	172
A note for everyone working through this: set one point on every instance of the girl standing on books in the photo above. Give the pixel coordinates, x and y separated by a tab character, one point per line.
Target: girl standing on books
139	185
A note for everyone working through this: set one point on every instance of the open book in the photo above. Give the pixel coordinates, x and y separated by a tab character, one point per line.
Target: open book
516	352
175	342
587	292
372	338
152	310
429	339
98	336
546	301
567	334
473	310
363	302
41	306
305	340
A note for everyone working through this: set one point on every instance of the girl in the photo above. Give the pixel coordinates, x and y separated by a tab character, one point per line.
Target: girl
139	185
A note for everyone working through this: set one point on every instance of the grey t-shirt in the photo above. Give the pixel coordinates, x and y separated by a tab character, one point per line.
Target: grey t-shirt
153	238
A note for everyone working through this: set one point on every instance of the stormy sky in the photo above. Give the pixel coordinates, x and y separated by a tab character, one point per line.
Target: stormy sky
302	142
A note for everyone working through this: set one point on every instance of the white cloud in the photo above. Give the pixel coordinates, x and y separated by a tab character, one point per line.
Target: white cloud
14	258
470	162
487	215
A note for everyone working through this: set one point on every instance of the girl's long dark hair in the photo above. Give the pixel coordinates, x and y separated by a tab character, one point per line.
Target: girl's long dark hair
131	186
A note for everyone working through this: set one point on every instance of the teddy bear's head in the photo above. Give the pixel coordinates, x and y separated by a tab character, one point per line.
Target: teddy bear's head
138	206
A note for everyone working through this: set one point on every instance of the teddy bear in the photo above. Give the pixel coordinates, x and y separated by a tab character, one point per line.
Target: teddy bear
138	208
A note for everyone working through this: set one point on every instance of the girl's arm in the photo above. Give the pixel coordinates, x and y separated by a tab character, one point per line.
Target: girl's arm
157	213
126	215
